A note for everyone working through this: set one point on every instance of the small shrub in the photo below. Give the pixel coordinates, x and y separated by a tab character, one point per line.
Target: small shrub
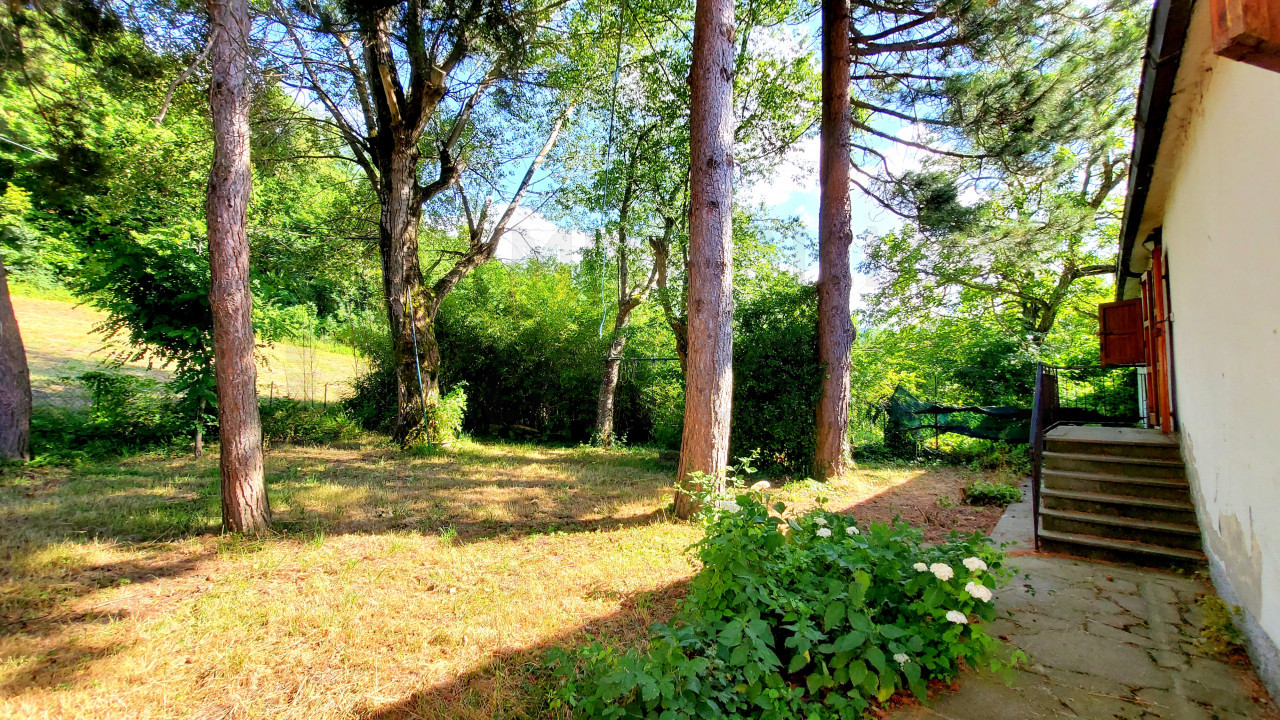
292	421
809	617
1220	634
127	413
373	404
980	454
450	411
985	492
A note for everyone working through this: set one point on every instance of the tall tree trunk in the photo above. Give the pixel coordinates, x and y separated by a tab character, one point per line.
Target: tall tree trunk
704	446
244	494
416	352
835	235
15	382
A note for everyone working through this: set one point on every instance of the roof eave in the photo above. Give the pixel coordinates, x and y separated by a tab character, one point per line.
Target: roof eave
1165	39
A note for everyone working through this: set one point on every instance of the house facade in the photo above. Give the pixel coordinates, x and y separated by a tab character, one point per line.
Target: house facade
1199	269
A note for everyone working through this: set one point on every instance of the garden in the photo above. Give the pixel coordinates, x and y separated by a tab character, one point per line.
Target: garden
441	359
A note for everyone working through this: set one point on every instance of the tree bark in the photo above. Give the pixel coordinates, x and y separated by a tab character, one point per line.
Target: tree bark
415	350
704	446
609	384
835	235
244	497
15	382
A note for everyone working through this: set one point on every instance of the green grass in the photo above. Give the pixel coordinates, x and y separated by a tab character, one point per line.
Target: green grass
393	585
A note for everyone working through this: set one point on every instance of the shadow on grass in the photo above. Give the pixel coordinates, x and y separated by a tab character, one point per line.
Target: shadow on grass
481	492
518	683
475	493
53	639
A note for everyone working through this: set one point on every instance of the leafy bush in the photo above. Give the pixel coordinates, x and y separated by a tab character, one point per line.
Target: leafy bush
776	379
810	617
525	340
984	492
372	404
293	421
127	413
446	423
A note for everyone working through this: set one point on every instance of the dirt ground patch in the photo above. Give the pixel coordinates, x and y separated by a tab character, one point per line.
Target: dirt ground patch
396	586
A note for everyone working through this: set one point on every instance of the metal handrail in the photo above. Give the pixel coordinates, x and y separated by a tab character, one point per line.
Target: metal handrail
1048	412
1044	404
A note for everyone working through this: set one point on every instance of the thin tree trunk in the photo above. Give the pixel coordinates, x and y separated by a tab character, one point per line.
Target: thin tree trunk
704	446
675	320
199	449
244	497
15	382
609	386
835	235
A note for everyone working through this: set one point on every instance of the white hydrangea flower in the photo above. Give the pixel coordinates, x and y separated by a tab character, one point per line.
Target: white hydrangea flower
942	571
824	532
728	505
957	617
921	567
762	485
902	658
974	564
820	521
851	530
978	592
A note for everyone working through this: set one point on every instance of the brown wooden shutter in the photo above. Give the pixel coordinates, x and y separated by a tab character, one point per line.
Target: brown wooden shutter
1247	30
1120	333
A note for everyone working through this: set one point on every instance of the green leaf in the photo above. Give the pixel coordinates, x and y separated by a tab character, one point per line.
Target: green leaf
892	631
835	613
875	656
857	672
849	641
798	661
731	636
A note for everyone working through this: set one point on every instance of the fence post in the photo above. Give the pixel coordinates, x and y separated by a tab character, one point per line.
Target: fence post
935	417
1037	437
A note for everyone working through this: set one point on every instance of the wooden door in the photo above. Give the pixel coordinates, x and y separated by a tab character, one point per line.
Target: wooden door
1155	305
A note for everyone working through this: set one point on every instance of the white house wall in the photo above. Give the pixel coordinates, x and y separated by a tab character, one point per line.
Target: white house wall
1216	194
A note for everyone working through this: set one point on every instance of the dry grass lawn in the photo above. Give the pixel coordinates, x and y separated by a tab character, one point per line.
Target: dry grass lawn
397	586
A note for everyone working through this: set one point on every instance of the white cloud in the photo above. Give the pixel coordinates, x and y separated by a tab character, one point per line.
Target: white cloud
531	234
793	183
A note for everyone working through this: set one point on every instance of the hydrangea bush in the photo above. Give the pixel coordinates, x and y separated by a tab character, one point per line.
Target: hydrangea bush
809	617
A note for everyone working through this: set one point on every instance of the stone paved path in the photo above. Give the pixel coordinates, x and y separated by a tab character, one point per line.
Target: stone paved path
1104	641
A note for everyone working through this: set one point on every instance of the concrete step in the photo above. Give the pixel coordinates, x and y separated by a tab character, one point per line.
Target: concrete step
1162	449
1169	535
1128	551
1115	465
1126	506
1158	488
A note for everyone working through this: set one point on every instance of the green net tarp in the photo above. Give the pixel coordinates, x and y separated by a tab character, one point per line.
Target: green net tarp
905	414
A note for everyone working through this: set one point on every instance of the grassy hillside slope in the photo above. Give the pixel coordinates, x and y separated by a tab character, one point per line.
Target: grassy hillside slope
61	343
